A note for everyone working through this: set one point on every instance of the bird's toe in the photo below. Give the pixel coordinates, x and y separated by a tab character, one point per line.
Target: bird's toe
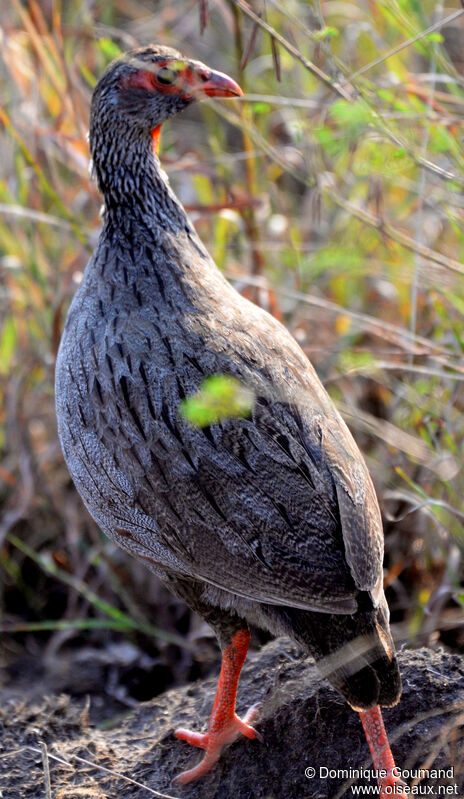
198	739
214	741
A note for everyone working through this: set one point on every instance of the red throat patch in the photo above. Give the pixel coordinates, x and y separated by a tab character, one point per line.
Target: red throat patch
155	135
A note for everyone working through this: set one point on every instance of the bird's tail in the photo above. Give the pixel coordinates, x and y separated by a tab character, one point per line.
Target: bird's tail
355	653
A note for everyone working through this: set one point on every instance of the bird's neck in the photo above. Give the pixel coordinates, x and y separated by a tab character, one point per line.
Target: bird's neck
132	181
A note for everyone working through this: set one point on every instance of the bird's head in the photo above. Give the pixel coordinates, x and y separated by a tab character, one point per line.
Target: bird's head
144	87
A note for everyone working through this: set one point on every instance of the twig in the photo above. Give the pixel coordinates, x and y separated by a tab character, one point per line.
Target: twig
394	234
204	14
379	223
422	184
435	27
34	216
99	768
248	214
357	93
46	769
290	48
96	601
402	337
395	437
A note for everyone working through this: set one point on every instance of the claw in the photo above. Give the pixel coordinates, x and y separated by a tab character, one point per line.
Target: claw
245	724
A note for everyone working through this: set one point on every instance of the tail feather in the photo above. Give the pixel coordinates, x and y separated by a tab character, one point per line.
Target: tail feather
355	653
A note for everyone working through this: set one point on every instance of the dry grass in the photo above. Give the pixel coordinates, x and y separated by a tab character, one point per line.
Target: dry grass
332	195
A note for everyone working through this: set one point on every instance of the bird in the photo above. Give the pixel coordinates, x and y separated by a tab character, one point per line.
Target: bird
267	519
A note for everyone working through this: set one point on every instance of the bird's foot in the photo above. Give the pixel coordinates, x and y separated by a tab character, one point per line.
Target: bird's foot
220	734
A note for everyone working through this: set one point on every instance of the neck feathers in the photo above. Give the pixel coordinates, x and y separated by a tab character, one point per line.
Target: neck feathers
131	180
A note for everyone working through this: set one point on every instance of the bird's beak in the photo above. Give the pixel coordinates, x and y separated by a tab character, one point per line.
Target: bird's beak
216	84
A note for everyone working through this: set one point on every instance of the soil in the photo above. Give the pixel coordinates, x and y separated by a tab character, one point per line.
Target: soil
303	721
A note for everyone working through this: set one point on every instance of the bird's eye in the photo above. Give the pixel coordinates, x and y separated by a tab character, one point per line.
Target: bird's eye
166	76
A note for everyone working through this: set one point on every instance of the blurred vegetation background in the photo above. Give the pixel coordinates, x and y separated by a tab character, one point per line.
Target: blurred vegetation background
333	195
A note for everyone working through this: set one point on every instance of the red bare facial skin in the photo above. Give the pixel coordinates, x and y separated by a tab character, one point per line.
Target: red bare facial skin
192	81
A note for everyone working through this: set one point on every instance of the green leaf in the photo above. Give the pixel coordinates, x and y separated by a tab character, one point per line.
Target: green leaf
204	189
261	108
109	48
87	75
352	114
353	118
455	300
333	258
325	33
120	619
441	140
355	361
220	397
434	37
7	344
329	140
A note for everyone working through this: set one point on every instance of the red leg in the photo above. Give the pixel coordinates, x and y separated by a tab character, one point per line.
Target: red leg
380	750
224	725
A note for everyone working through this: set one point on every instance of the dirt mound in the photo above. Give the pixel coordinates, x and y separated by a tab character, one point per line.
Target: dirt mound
304	724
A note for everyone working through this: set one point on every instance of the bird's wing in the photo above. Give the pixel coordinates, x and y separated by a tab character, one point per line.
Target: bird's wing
272	362
279	508
301	501
301	425
323	430
259	507
358	507
250	514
